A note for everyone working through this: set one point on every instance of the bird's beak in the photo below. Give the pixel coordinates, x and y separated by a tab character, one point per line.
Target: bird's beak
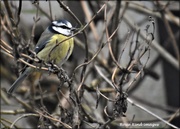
73	29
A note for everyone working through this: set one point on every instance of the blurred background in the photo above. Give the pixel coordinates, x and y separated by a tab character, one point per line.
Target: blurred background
155	89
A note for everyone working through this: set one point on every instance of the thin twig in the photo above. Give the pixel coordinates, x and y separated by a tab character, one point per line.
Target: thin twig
135	104
148	111
169	30
24	115
155	45
173	116
148	11
89	17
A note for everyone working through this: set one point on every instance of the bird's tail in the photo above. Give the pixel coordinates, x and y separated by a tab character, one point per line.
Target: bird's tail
20	79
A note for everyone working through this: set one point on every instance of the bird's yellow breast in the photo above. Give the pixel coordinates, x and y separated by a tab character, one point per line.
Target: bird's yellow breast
57	50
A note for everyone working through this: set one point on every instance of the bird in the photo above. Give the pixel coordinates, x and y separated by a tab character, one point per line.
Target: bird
51	47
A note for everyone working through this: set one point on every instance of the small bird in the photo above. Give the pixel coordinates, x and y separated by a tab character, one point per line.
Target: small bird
50	47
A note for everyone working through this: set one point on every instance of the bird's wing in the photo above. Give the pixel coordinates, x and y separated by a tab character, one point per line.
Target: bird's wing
44	39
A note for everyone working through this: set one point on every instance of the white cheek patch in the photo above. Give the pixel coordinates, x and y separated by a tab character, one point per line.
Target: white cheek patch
69	25
57	29
62	31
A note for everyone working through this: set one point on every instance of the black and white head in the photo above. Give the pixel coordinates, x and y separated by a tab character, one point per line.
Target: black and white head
62	27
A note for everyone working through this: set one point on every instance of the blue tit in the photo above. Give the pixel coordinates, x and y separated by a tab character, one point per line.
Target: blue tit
51	47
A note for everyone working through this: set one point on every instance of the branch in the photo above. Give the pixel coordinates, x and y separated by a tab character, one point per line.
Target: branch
155	45
151	113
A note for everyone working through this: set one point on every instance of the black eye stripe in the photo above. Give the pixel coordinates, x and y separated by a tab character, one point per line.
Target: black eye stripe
62	26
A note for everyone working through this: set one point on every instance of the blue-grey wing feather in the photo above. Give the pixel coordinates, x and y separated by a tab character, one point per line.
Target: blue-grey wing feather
45	38
40	47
